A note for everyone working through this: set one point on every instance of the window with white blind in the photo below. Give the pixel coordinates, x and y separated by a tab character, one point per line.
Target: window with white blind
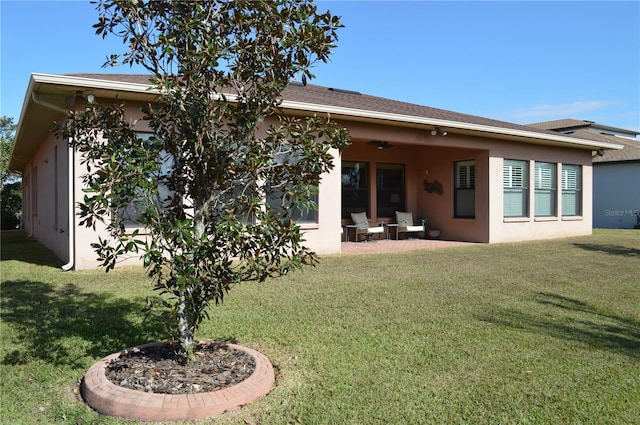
515	183
571	190
464	202
545	189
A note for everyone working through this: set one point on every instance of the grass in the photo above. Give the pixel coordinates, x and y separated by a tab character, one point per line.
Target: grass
527	333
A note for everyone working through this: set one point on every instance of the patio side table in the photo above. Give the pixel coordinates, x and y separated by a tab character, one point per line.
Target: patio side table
348	228
389	226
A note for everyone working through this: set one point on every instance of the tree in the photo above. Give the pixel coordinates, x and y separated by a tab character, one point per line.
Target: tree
215	186
10	185
7	135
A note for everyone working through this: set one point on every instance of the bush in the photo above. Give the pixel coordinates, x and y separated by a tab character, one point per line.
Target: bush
9	221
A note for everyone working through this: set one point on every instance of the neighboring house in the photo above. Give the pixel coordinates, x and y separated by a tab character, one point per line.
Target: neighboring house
474	178
616	173
571	126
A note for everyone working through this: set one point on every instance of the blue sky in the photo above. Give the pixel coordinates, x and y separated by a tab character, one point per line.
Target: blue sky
515	61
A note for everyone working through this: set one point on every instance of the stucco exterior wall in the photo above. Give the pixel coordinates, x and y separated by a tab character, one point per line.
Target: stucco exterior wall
432	158
425	157
530	227
616	194
323	237
46	196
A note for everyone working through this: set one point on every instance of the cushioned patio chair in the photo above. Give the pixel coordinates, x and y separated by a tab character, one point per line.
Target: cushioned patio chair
406	225
362	227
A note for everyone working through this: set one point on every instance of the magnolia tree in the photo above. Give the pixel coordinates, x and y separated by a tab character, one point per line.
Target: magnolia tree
217	184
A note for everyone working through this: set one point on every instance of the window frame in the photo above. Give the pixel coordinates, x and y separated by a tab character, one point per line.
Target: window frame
396	193
361	179
464	186
129	215
34	191
545	189
516	189
572	187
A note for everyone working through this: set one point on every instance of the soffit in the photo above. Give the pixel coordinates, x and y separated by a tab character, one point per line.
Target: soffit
36	120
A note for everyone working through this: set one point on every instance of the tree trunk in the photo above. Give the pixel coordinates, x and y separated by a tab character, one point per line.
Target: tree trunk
186	314
185	328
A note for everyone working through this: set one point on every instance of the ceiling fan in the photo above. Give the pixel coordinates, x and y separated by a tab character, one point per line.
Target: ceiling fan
379	144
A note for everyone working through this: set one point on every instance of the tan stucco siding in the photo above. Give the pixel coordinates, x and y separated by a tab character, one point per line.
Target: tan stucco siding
530	227
46	196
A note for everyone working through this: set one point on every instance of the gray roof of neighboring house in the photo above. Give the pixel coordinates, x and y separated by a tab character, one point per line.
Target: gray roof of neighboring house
564	124
570	124
580	128
630	151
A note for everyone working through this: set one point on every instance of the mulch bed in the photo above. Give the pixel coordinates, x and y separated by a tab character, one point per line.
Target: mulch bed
155	369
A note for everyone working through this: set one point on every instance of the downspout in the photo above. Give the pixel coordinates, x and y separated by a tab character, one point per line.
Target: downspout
71	218
70	180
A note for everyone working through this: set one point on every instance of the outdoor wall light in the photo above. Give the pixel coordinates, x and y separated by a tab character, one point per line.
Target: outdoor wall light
70	100
437	131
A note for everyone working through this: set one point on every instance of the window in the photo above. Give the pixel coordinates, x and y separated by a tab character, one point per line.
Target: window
131	214
390	192
26	200
545	189
515	182
281	203
34	191
464	197
571	188
56	202
307	215
355	188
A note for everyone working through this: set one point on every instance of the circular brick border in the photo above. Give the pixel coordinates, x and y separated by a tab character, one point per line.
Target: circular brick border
110	399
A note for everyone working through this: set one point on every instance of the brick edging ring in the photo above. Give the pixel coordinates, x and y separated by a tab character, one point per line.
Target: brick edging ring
110	399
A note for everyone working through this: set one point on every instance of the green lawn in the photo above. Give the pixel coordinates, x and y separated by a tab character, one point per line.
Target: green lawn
528	333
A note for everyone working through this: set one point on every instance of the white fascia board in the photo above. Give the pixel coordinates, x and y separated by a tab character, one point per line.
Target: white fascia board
351	112
360	113
95	83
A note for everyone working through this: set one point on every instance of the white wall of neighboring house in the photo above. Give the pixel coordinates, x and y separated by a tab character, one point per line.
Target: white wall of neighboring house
618	187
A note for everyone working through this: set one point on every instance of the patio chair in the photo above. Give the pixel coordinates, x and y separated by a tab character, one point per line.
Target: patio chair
406	225
361	223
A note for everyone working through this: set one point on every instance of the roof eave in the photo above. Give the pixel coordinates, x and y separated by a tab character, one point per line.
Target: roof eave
38	81
140	91
512	134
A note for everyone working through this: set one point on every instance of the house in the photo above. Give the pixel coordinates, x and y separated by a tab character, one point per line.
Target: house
616	173
571	126
476	179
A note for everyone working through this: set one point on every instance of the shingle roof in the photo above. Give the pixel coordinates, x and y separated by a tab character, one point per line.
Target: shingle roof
319	95
580	129
559	125
630	152
314	94
569	125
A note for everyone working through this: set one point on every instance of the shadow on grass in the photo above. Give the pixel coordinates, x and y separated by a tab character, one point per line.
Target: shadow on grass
574	320
17	246
63	325
624	251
